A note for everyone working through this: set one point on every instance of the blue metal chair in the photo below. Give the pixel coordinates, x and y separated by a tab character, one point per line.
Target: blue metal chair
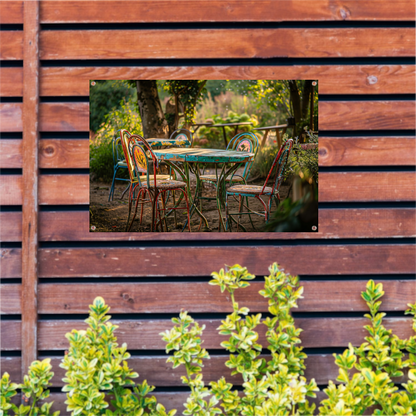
119	163
183	137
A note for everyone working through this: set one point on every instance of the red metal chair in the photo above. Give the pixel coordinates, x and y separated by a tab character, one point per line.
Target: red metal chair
257	191
141	155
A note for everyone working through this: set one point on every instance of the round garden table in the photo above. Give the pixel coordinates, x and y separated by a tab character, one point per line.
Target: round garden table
191	158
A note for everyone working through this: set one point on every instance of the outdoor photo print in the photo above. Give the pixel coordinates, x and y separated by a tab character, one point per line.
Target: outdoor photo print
204	156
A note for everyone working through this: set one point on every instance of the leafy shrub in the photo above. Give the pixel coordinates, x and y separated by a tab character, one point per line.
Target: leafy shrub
276	387
263	162
34	389
101	145
105	96
214	138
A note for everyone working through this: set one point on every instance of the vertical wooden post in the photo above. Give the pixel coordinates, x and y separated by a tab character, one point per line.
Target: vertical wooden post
30	181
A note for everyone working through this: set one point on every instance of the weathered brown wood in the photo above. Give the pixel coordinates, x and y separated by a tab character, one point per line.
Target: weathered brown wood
342	151
226	43
11	189
30	182
367	151
11	295
367	186
11	48
355	115
333	223
231	11
157	372
12	365
348	186
64	189
11	79
10	154
11	262
200	297
144	334
202	261
347	115
11	226
341	79
11	117
54	153
11	336
11	12
64	117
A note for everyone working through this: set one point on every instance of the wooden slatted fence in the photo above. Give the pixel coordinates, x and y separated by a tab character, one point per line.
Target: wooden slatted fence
363	55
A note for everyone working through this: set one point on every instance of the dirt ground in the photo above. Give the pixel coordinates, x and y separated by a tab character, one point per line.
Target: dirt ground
111	216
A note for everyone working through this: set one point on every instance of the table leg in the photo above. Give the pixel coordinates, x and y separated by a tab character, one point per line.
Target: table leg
263	141
279	139
221	190
225	137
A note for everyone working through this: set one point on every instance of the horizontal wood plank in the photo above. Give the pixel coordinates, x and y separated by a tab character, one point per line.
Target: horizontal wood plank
11	117
226	43
11	299
53	189
333	187
10	189
333	151
145	334
11	335
333	79
11	12
11	263
64	153
367	151
333	223
64	117
11	79
337	115
10	154
53	153
199	297
11	48
202	261
218	11
367	115
367	186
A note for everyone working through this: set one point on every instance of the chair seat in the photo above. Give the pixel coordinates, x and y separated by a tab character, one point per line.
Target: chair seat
213	178
166	184
158	177
250	189
122	164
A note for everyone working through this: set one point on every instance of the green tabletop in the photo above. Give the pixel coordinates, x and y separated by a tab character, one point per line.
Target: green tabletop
204	155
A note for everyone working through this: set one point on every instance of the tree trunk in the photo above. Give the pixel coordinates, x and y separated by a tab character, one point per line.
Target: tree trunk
151	113
306	98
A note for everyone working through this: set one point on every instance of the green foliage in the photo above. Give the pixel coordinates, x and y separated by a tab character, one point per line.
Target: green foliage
101	147
189	93
184	339
34	389
377	361
270	388
213	137
105	96
96	365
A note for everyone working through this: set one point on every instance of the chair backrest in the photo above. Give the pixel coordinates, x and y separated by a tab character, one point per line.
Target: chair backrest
118	153
280	162
141	154
124	138
245	142
183	137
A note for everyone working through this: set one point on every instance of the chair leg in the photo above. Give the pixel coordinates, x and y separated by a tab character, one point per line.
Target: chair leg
135	211
111	194
187	209
128	217
228	223
240	206
154	202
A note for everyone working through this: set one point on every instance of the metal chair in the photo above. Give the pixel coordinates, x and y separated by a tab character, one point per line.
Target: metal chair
257	191
183	137
119	163
141	155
